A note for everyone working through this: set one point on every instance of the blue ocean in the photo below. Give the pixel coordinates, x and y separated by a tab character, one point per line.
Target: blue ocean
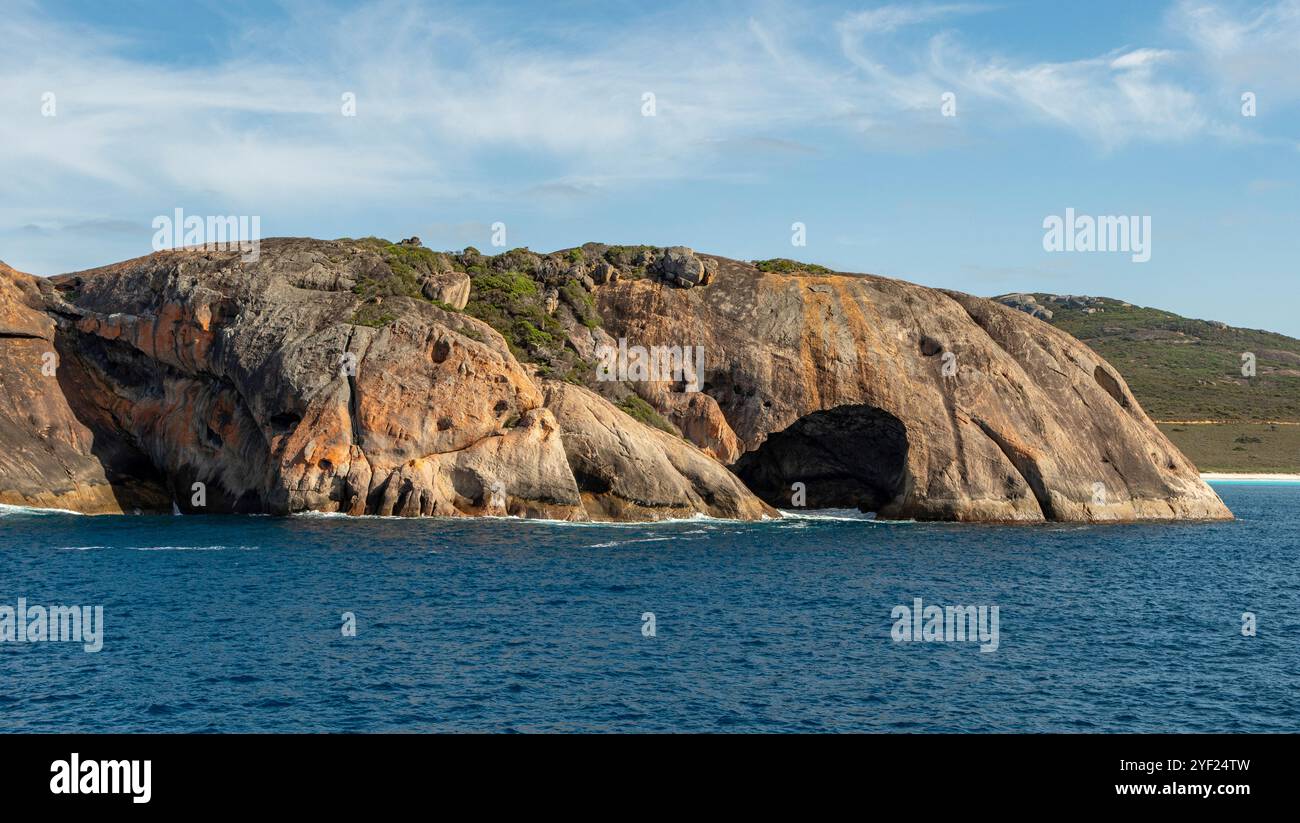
237	624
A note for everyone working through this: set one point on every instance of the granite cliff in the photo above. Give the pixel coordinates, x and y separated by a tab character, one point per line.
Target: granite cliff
366	377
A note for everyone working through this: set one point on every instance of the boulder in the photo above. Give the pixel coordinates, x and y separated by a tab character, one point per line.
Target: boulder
450	287
679	266
604	272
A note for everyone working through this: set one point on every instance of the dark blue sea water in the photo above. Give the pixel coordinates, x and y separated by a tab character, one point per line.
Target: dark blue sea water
233	624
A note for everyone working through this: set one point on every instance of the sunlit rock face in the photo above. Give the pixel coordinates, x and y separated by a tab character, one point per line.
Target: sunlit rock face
364	377
913	402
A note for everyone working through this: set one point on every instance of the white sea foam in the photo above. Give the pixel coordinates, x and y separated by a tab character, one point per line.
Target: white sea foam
189	548
614	543
453	519
541	521
828	514
158	548
697	518
784	515
343	515
7	510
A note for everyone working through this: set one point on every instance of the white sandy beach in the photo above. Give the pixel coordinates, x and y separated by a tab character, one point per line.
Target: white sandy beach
1251	477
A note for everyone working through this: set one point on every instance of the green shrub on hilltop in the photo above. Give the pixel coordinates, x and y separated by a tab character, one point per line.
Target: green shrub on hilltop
627	259
784	265
406	266
582	303
617	254
411	261
510	284
510	293
511	303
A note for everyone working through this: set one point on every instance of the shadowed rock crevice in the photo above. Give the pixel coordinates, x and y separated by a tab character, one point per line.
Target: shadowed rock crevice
1110	385
846	457
134	482
1026	466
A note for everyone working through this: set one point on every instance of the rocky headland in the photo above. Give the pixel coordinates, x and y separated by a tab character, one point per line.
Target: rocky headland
368	377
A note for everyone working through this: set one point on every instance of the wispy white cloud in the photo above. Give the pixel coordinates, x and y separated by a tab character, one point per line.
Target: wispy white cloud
1244	47
449	106
1110	99
436	104
888	19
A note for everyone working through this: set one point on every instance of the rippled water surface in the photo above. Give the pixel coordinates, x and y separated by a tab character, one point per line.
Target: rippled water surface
233	624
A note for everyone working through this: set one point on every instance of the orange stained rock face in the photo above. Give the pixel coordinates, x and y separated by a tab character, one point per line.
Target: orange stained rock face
263	381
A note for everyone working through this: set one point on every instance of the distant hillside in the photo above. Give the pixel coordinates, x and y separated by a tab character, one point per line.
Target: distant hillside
1182	369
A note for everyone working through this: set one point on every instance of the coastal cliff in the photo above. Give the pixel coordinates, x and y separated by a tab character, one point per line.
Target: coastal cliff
366	377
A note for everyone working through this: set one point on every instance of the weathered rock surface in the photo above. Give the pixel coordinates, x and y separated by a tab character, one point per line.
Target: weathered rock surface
339	377
913	402
50	458
680	266
630	474
1026	303
698	417
450	287
263	387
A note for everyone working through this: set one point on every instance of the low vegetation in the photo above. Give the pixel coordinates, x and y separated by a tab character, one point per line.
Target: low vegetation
1238	447
1185	369
784	265
406	266
631	261
640	410
581	302
372	315
1181	369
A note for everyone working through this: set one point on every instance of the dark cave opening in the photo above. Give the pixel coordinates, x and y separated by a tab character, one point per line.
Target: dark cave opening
846	457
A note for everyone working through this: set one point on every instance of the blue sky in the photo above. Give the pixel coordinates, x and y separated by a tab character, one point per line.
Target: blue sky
766	114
